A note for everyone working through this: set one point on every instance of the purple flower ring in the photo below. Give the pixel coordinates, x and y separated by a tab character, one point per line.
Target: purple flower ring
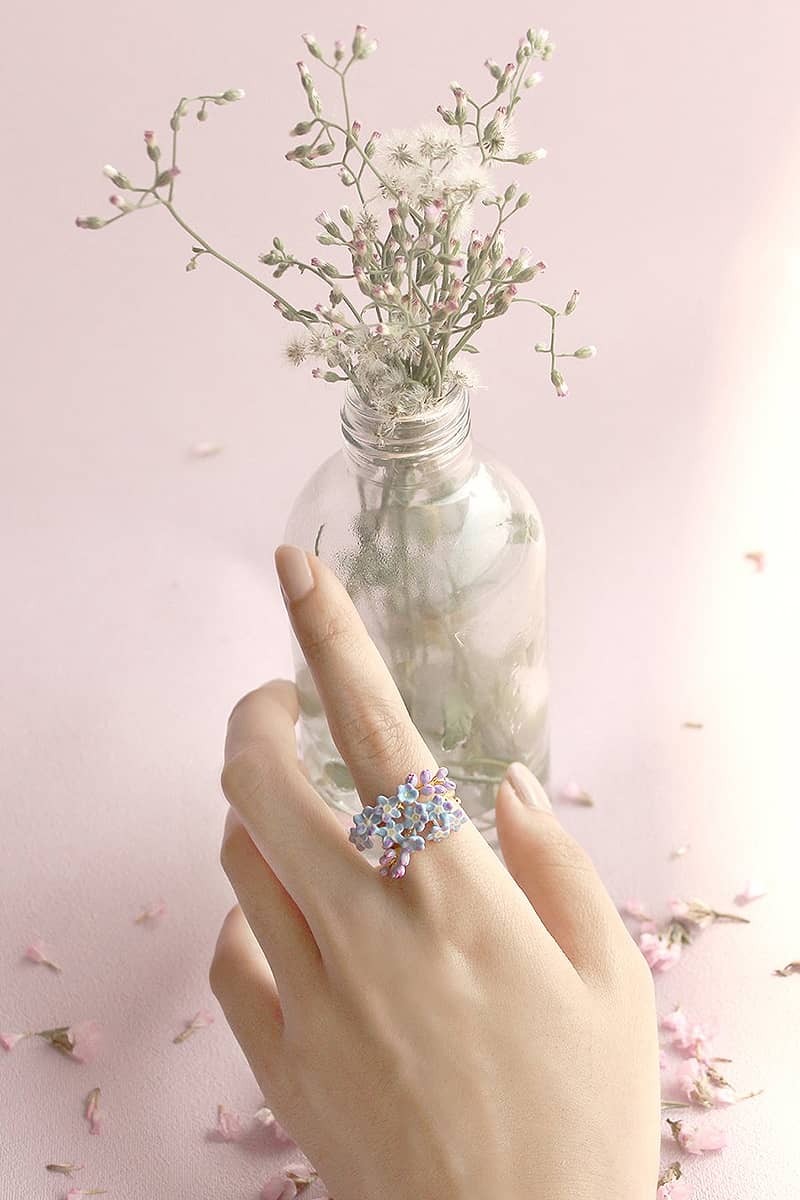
425	808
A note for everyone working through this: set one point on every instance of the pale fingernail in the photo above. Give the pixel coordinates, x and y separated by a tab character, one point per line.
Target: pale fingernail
294	572
527	787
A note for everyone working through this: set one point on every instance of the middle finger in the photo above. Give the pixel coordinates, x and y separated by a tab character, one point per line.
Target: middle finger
368	720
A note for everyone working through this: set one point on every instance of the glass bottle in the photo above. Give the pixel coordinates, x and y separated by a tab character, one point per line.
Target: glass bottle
442	550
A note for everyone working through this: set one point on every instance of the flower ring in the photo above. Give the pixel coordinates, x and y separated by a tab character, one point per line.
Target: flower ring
425	808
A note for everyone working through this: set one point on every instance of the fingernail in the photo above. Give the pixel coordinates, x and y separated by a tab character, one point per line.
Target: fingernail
527	787
294	572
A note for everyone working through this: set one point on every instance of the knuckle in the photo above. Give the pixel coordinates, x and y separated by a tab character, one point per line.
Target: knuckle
377	731
242	704
219	972
557	849
216	974
332	632
235	845
241	775
638	972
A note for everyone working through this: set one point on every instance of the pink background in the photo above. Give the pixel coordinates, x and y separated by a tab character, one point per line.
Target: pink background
139	600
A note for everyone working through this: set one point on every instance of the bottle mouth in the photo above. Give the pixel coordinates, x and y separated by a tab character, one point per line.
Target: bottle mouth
436	432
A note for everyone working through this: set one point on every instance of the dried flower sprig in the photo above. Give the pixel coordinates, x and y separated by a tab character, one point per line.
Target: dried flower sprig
288	1183
229	1127
420	285
68	1169
792	968
696	912
698	1078
201	1020
671	1185
758	559
752	890
698	1139
79	1042
151	914
38	953
663	945
266	1118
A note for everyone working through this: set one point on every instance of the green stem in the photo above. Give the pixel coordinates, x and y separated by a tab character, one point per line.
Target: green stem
229	262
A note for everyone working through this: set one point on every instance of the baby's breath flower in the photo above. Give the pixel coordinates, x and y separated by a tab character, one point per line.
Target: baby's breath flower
558	382
152	146
297	350
362	47
421	287
312	45
117	178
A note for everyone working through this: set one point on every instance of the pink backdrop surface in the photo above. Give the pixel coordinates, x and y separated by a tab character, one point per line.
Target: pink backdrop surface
138	598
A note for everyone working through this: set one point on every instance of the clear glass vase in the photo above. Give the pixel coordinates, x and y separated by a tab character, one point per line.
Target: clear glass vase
442	550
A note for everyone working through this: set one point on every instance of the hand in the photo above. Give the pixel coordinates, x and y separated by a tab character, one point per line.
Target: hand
469	1030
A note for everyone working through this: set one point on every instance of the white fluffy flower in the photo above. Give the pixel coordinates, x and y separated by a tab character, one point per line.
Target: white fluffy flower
461	373
296	350
430	163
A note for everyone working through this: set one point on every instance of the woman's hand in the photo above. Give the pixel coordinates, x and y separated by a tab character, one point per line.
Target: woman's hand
467	1031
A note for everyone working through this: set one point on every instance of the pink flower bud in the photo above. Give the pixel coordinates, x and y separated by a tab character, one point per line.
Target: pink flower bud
559	383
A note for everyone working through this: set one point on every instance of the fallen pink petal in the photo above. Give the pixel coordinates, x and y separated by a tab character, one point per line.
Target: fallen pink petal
266	1117
9	1040
750	892
300	1174
660	954
758	558
278	1187
80	1042
87	1039
575	794
38	953
636	909
679	1190
92	1111
676	1023
699	1139
229	1126
672	1186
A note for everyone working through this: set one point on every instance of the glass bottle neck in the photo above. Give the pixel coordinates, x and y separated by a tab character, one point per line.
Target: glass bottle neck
416	448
